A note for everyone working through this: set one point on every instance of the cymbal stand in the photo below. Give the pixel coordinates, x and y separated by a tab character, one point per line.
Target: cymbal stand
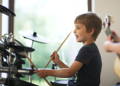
10	59
54	66
32	66
30	77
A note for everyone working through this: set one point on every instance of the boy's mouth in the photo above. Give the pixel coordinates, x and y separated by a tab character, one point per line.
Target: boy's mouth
76	36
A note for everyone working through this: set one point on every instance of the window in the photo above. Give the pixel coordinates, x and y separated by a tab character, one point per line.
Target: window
4	20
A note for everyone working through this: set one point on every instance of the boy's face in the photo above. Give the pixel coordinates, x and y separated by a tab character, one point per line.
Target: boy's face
81	33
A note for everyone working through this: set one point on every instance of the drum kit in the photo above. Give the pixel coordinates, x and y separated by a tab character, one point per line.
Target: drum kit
12	53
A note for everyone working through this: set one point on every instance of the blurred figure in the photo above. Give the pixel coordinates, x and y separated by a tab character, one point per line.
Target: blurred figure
112	44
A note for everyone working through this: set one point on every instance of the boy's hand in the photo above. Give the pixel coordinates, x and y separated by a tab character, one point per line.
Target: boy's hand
41	73
55	57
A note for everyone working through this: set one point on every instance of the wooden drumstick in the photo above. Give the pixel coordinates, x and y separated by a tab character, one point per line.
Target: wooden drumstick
31	62
36	69
59	48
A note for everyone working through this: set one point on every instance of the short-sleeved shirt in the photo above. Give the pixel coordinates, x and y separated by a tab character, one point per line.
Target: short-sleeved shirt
89	74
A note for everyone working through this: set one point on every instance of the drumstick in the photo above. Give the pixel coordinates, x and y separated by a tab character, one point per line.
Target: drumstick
59	48
31	62
36	69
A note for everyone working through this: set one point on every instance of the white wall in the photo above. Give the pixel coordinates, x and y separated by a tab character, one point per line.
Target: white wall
111	7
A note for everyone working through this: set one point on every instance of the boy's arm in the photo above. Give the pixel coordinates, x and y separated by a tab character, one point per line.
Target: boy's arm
63	73
61	64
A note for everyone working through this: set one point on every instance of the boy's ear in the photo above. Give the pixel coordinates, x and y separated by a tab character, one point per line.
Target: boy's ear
92	31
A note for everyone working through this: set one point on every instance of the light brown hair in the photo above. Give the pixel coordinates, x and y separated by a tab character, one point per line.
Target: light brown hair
91	21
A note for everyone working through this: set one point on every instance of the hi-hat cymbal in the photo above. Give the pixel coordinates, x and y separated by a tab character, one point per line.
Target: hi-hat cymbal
35	37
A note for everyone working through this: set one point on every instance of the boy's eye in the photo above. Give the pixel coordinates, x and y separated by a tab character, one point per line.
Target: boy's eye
77	27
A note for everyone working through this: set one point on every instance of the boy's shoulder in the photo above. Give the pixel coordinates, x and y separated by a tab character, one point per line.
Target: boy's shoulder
89	48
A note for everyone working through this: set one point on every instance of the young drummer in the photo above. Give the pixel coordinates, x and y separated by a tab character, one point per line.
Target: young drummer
87	65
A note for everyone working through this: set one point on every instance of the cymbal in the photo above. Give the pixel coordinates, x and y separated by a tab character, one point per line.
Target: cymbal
35	37
19	48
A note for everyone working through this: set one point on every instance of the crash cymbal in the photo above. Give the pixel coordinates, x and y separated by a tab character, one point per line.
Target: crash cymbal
35	37
19	48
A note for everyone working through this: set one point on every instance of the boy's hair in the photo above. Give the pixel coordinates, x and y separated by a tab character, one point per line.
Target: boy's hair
91	21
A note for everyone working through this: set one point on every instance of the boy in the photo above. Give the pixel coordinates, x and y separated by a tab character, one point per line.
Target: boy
87	65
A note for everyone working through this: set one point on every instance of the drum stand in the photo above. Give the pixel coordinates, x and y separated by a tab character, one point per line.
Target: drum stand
30	77
54	66
34	38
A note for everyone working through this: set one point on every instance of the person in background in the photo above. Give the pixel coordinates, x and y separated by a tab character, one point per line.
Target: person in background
87	65
112	46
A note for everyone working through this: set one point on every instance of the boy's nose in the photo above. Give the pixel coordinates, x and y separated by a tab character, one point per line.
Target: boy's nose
74	31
